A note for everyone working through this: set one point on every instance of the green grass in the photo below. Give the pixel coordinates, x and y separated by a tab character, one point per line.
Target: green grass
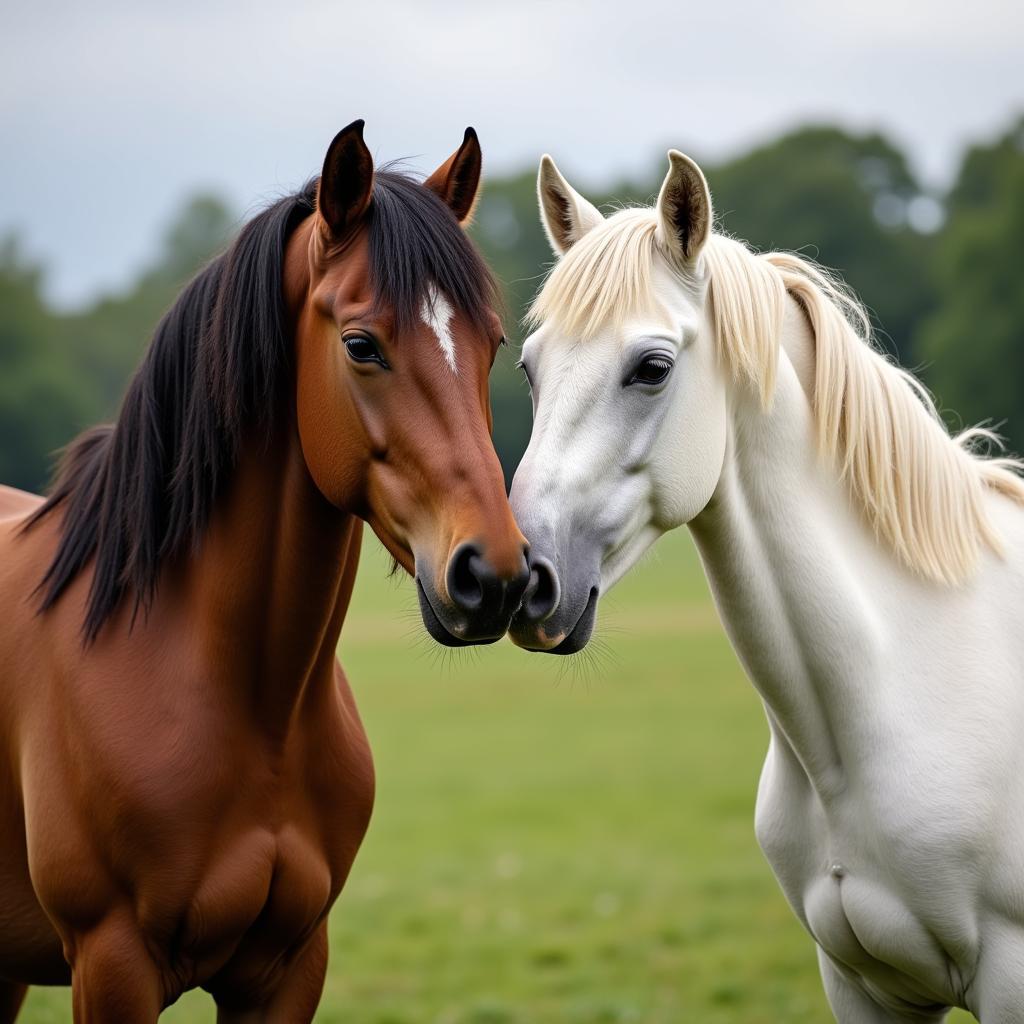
553	843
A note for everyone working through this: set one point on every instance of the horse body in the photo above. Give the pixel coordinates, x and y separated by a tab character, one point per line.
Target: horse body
201	783
185	780
868	568
891	805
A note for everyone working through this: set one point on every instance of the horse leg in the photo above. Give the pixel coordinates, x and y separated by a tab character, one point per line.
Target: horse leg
851	1005
295	1000
12	995
113	977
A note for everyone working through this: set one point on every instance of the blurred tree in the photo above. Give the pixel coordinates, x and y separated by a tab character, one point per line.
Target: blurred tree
985	171
108	338
203	228
974	341
42	401
847	200
59	373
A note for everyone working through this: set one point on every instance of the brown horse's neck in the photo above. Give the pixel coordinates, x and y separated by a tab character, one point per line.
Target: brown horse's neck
272	582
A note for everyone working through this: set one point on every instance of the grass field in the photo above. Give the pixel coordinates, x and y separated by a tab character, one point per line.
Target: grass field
558	844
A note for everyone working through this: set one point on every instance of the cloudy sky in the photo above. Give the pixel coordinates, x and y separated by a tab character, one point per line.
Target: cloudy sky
112	111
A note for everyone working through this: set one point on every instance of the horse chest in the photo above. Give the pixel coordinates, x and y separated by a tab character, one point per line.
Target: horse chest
255	907
850	890
279	864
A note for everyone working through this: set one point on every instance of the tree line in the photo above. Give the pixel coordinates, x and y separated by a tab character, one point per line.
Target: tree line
938	273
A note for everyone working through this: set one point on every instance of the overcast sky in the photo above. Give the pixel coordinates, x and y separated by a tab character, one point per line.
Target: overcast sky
112	111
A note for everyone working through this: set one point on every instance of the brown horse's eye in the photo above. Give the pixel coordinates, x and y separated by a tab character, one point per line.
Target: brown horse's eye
362	349
652	370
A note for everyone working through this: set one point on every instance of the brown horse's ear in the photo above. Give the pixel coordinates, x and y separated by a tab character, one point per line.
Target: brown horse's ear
346	183
457	180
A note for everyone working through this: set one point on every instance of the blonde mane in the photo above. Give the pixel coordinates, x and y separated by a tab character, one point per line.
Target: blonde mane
922	490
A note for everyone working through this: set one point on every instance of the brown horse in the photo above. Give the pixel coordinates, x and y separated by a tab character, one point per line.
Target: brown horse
184	780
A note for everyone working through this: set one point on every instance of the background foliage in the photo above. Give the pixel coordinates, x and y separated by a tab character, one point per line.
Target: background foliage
940	274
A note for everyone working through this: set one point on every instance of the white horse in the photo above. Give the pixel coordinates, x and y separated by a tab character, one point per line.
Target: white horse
868	567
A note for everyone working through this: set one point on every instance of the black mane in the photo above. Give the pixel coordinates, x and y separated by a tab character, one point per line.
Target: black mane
141	491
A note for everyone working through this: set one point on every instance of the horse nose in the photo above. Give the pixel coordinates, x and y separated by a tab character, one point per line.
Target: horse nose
473	582
542	592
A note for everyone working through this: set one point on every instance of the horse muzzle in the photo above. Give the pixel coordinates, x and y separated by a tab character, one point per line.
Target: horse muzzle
551	619
479	602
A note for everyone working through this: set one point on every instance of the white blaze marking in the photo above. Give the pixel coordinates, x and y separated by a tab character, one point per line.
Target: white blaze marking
436	312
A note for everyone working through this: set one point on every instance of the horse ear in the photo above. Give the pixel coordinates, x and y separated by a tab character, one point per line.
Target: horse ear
457	180
565	214
684	209
346	182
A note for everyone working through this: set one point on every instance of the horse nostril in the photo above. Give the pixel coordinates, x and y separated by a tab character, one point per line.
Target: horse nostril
465	586
542	592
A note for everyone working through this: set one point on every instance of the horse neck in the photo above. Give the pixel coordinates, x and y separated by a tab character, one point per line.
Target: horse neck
272	582
796	575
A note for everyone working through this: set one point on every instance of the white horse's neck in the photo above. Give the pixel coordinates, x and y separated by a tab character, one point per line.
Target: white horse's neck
889	806
796	574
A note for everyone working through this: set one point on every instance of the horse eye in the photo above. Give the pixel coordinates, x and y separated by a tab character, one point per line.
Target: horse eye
362	349
652	370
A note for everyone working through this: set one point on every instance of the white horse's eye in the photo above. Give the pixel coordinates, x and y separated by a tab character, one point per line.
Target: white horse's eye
652	370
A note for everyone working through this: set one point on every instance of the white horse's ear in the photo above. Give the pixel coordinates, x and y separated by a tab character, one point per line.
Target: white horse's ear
684	209
565	214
